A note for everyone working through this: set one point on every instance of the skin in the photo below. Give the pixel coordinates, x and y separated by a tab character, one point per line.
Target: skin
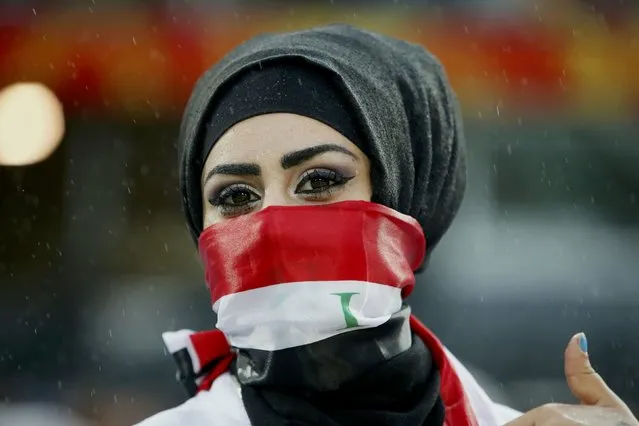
599	405
281	159
287	159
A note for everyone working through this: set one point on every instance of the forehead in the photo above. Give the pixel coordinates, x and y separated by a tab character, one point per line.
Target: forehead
270	136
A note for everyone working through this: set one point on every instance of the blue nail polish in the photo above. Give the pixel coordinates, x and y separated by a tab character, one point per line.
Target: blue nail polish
583	343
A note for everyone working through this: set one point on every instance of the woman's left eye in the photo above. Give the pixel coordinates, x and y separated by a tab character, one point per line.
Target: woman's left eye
320	180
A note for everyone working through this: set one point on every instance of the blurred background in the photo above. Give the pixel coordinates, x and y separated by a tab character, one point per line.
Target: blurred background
96	262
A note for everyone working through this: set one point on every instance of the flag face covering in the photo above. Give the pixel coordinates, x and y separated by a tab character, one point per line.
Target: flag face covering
310	307
289	276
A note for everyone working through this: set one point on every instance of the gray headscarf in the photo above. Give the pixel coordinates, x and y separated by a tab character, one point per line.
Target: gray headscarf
401	95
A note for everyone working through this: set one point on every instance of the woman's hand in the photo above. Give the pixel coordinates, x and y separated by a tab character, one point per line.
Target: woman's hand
599	405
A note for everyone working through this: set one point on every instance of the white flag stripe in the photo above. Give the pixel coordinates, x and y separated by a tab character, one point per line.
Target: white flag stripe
178	340
287	315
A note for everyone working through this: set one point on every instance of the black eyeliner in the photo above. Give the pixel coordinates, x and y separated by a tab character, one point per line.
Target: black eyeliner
227	191
319	173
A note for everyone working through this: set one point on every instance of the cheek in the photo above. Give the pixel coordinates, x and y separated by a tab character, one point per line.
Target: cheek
210	215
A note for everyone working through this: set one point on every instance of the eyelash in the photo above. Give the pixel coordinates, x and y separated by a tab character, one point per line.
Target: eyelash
220	198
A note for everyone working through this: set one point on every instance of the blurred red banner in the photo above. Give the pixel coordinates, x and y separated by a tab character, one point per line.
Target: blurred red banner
143	64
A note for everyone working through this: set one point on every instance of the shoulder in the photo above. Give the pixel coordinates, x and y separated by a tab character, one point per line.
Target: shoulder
219	406
488	413
506	414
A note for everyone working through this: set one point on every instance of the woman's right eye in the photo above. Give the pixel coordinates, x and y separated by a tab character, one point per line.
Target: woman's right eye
235	199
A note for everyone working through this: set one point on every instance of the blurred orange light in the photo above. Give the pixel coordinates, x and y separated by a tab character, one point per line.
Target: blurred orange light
31	124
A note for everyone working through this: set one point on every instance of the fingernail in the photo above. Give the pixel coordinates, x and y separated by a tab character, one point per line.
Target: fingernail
583	343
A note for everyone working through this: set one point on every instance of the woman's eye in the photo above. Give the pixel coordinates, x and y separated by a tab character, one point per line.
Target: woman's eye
320	180
235	199
239	198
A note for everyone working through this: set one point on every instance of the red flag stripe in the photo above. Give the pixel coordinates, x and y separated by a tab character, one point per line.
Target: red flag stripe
350	240
459	411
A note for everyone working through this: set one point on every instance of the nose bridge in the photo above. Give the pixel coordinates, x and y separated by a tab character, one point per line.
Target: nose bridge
276	194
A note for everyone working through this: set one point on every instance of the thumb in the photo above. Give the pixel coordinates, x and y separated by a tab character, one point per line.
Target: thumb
583	380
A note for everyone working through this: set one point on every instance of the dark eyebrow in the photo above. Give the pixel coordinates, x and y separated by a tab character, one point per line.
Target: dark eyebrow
238	169
295	158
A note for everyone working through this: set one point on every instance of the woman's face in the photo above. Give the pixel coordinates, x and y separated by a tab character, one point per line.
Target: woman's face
281	159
